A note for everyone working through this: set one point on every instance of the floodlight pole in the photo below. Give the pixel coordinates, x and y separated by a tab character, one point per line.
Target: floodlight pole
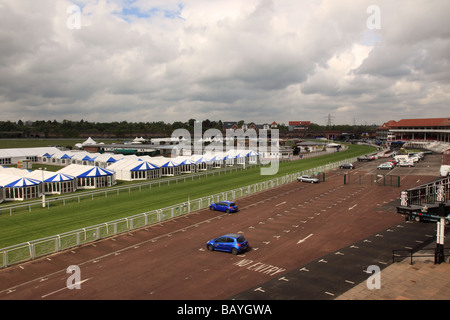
43	188
439	256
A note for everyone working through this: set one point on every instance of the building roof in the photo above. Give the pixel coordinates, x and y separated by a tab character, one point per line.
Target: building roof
299	123
387	125
425	122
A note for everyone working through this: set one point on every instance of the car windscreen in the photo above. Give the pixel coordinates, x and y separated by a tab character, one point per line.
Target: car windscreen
241	239
232	204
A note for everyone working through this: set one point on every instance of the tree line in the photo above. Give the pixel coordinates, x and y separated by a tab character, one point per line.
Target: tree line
124	129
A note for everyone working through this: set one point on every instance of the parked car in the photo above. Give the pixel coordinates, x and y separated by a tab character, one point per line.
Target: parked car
385	165
347	166
225	206
306	178
407	164
365	158
234	243
394	162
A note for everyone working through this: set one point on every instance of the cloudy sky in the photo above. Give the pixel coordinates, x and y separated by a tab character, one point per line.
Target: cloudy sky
255	60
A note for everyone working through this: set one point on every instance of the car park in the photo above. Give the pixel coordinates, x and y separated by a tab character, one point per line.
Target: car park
234	243
225	206
307	178
347	166
385	165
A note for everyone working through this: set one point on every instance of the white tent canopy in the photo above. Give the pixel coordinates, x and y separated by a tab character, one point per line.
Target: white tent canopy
89	177
168	166
89	141
19	188
13	156
135	169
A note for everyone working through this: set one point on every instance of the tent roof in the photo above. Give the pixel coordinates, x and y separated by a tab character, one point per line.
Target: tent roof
59	177
133	165
88	141
183	160
144	166
23	182
15	171
96	172
81	171
24	152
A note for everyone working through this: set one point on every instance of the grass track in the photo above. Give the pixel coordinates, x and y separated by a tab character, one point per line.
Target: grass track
22	227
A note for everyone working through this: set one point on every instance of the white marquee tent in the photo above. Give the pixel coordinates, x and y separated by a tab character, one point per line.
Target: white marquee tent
90	177
19	188
54	183
135	169
13	156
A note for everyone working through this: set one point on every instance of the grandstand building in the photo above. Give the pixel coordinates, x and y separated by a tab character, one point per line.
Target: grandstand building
429	133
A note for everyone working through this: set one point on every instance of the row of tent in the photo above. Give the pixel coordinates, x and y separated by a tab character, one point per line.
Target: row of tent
83	170
19	184
132	167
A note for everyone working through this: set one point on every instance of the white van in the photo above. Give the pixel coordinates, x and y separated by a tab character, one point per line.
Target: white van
445	171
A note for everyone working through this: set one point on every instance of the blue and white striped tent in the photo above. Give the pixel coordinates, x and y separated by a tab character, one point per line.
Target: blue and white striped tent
23	182
59	177
135	169
19	188
92	172
89	177
88	158
54	183
144	166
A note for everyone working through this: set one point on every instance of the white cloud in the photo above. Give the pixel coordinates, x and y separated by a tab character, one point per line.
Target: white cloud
257	60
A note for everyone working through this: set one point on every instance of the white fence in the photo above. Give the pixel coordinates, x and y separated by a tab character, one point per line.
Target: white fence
41	247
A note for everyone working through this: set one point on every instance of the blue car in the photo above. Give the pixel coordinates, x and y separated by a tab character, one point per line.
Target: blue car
234	243
226	206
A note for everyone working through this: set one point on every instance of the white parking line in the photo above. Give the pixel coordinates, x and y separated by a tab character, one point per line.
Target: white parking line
302	240
64	288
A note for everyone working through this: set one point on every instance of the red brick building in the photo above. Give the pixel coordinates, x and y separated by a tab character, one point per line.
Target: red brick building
425	130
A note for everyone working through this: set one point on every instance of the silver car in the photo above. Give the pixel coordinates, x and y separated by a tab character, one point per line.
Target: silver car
306	178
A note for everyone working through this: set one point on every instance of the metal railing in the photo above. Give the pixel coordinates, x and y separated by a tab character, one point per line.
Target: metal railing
414	253
53	244
429	192
372	179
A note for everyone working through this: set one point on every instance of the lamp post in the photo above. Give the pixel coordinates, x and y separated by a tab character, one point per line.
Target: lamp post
439	252
43	188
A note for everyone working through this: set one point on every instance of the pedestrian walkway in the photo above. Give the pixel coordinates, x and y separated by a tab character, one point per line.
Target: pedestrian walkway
423	280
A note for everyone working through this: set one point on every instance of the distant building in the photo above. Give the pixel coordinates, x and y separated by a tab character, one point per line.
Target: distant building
423	130
227	125
299	125
232	125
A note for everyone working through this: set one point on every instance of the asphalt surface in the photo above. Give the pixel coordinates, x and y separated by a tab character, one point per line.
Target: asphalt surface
335	273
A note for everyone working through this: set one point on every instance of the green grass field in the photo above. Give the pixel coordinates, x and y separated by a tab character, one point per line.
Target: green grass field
24	226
